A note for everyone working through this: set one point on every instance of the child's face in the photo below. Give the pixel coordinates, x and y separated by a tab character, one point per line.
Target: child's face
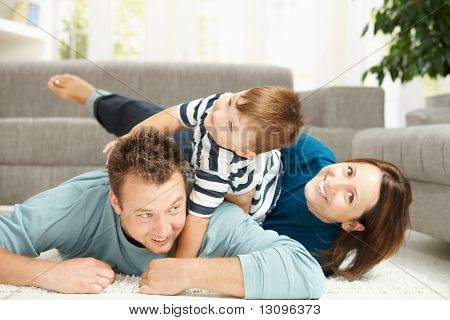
228	127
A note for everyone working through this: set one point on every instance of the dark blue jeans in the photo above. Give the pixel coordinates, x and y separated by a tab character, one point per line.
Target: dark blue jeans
118	115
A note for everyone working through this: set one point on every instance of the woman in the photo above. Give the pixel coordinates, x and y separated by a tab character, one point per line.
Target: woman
357	209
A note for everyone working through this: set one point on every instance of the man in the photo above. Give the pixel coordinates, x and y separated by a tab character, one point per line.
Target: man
128	219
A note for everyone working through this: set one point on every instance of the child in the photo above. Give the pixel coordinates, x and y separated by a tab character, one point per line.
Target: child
235	152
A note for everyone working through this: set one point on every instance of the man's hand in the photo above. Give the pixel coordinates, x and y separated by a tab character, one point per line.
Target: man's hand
81	275
167	276
172	276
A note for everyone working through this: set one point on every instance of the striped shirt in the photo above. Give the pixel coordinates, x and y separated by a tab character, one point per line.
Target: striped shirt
219	171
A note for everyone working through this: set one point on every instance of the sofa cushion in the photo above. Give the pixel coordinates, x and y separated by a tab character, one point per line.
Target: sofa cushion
430	209
343	107
18	183
52	142
426	116
24	90
421	152
442	100
337	139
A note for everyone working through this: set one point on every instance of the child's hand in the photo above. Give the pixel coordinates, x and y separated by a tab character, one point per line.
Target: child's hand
108	148
244	201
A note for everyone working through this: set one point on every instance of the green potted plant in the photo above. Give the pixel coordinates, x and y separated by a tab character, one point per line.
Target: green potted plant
420	44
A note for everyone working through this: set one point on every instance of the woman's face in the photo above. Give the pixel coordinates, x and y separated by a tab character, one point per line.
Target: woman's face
342	192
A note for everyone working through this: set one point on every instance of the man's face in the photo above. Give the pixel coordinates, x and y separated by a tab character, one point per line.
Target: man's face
153	215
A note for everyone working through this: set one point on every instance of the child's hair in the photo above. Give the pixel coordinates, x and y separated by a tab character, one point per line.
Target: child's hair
274	113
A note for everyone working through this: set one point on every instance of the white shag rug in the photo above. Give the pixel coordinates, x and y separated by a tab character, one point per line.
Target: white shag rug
385	281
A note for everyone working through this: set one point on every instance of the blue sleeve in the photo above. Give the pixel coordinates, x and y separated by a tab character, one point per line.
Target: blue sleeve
53	219
274	266
42	223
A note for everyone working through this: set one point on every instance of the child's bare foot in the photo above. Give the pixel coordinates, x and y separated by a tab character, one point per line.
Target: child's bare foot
70	87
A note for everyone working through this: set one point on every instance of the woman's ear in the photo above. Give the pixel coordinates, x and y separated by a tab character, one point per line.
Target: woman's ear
115	203
353	226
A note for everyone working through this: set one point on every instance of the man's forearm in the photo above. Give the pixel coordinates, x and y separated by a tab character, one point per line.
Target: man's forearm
221	275
273	266
79	275
23	271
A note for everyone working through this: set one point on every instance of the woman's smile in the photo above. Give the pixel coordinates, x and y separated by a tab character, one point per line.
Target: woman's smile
322	191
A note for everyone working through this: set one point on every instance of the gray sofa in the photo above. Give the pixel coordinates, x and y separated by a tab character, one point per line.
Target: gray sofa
428	167
45	140
335	114
437	111
423	154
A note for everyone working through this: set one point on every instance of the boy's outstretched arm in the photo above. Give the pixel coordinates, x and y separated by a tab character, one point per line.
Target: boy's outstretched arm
166	121
177	118
191	237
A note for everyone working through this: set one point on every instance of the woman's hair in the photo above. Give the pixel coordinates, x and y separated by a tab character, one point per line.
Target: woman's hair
385	226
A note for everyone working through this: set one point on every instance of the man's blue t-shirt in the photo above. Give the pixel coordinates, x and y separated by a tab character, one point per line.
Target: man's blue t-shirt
77	218
291	217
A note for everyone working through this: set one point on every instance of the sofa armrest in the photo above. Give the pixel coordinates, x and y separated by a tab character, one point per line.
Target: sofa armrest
421	152
426	116
343	107
442	100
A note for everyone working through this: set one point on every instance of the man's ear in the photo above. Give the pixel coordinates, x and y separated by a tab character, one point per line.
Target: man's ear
246	153
353	226
115	203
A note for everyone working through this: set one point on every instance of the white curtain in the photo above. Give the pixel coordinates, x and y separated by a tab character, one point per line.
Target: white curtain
319	40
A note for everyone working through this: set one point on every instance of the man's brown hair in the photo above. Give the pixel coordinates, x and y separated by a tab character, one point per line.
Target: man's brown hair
147	154
274	112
